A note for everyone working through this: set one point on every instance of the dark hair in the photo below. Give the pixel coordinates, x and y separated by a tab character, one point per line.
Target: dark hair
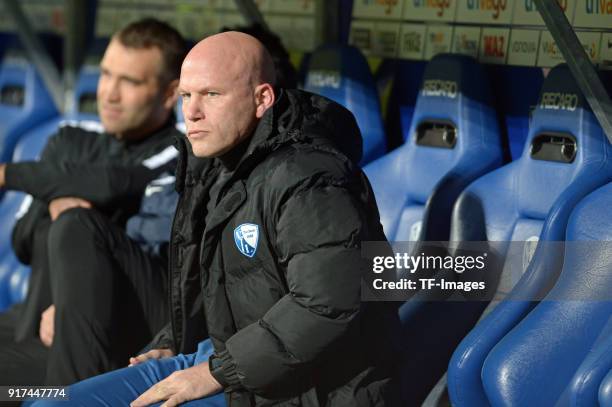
148	33
286	75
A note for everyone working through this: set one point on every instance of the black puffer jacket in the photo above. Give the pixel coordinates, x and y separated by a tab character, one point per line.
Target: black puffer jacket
279	265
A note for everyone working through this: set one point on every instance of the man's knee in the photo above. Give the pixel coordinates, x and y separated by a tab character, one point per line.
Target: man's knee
74	225
76	238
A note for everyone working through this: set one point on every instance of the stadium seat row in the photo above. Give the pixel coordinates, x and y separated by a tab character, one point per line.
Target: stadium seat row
448	182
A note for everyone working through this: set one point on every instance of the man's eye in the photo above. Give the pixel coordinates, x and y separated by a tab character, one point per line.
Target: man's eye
185	95
212	94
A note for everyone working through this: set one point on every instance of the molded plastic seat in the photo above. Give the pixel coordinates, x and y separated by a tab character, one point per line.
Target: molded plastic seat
560	352
590	378
25	103
342	74
528	200
454	139
605	391
417	184
13	275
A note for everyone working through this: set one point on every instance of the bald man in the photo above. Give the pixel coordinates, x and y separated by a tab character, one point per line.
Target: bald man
266	251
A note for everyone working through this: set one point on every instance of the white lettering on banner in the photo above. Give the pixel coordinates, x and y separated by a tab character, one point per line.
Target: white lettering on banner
436	87
558	100
320	79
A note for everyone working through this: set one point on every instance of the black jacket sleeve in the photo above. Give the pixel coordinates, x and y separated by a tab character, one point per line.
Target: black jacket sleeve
53	177
22	237
324	264
33	211
103	184
163	339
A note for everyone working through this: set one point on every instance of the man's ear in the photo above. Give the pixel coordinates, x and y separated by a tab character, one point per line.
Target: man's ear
264	99
171	94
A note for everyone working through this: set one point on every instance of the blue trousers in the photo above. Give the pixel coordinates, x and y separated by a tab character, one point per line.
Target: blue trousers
122	386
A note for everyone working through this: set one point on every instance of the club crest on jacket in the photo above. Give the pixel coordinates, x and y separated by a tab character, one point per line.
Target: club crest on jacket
246	237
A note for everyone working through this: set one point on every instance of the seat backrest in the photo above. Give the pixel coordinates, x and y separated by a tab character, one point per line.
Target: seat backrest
517	89
406	87
559	353
9	208
605	391
29	147
565	145
566	156
342	74
454	138
85	104
24	103
84	115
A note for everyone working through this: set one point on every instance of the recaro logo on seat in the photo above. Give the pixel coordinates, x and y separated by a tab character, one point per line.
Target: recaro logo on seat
320	79
559	101
437	87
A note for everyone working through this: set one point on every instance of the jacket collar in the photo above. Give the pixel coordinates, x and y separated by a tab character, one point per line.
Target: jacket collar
272	132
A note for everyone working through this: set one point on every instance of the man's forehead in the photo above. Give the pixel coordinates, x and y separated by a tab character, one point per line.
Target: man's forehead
134	62
208	72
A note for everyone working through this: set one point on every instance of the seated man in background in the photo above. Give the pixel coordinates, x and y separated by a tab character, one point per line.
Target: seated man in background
269	232
102	295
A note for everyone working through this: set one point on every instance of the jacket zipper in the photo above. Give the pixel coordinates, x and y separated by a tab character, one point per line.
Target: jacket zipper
171	270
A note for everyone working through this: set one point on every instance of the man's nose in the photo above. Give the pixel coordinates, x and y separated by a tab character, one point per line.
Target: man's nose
192	110
111	91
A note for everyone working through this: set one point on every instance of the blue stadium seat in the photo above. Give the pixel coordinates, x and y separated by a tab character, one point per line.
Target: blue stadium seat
9	207
24	103
85	105
605	391
517	89
13	275
566	157
18	284
342	74
407	82
454	139
589	381
536	363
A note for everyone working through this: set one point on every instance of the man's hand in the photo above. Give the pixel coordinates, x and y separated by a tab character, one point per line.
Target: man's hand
180	387
2	175
152	354
47	326
59	205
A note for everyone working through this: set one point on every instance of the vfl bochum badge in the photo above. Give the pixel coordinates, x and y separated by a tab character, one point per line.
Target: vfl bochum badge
246	237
